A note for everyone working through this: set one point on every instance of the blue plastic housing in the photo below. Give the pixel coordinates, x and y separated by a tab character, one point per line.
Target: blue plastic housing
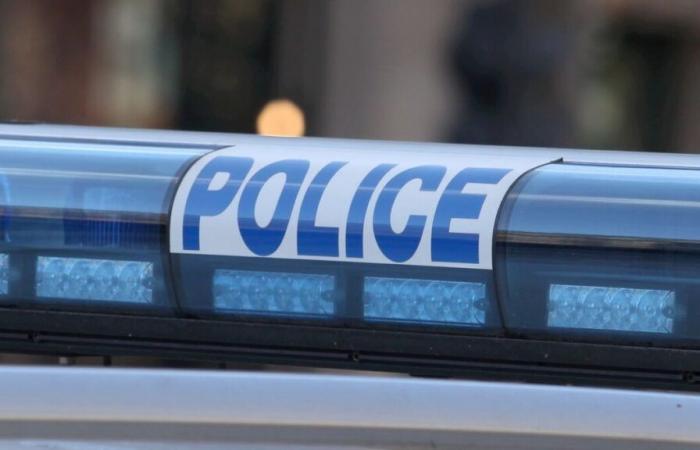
83	224
601	251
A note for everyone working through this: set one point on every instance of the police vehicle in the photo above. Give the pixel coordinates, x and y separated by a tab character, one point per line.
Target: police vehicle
493	279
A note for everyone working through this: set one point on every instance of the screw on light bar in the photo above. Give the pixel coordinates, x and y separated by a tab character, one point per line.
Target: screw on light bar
274	292
94	279
4	273
416	300
611	308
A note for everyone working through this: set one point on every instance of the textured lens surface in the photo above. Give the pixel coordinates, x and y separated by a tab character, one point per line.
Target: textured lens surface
274	292
94	279
4	273
425	300
611	308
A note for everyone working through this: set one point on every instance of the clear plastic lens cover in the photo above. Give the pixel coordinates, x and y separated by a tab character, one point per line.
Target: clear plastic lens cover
84	222
605	201
67	194
605	252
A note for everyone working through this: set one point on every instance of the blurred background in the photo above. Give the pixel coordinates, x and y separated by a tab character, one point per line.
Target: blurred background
622	74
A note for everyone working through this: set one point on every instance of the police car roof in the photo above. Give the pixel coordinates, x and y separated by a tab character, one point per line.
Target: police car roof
146	408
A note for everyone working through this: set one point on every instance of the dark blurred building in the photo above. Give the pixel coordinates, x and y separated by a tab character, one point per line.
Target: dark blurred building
587	73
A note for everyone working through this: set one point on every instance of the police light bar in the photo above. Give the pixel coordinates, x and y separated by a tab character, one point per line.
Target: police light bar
513	263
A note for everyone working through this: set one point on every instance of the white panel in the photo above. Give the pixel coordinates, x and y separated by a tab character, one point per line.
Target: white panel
220	234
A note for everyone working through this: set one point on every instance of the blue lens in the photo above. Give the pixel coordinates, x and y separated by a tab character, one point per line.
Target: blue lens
94	279
274	292
611	308
102	227
397	299
87	195
4	274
